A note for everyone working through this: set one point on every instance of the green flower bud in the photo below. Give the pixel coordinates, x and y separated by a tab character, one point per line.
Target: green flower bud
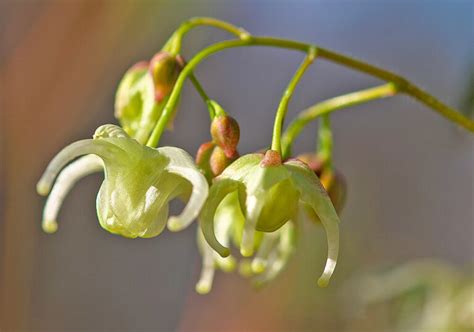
134	99
164	69
142	94
270	195
225	133
139	183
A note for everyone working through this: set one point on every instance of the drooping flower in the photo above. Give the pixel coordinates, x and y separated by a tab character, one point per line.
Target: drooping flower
139	183
270	194
272	250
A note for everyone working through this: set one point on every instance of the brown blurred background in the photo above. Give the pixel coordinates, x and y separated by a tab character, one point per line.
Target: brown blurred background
410	172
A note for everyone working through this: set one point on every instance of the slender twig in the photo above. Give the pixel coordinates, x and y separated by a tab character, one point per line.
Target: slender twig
330	105
401	84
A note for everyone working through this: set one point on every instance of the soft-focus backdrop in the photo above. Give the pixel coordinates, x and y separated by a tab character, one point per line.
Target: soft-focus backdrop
410	172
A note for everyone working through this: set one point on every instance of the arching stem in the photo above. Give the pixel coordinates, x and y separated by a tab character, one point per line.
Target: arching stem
330	105
402	85
325	142
283	106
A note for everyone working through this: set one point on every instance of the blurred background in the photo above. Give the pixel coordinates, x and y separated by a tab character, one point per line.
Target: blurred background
409	171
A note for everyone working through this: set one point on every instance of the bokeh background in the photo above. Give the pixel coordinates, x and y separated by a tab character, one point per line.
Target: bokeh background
410	172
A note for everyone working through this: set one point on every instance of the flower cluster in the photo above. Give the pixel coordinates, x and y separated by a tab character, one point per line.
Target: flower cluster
255	202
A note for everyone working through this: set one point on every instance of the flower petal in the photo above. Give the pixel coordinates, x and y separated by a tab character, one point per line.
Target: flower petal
279	256
219	190
227	215
181	164
254	206
269	242
88	146
315	196
66	179
204	284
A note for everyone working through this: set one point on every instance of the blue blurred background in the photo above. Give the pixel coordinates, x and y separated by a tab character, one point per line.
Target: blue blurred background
409	171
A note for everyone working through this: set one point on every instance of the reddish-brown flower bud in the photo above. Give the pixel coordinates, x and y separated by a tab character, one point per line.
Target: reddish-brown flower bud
164	68
225	133
212	160
204	152
203	157
218	161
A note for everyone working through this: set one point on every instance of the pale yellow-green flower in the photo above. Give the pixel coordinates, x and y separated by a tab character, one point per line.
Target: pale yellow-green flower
270	194
272	250
139	183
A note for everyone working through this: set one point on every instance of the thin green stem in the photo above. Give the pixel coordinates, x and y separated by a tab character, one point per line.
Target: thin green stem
402	84
174	43
203	95
330	105
187	70
285	99
325	141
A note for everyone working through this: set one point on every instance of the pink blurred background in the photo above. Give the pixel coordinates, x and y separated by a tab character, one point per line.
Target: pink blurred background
409	171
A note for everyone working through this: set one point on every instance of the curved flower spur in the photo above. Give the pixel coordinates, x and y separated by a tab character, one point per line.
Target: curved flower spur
139	183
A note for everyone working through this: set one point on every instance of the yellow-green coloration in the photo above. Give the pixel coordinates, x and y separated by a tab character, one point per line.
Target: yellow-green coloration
273	250
270	197
331	179
139	183
135	105
143	92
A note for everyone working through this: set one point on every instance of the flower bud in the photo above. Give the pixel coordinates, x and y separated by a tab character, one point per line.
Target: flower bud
203	157
212	160
225	133
164	68
130	99
219	161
